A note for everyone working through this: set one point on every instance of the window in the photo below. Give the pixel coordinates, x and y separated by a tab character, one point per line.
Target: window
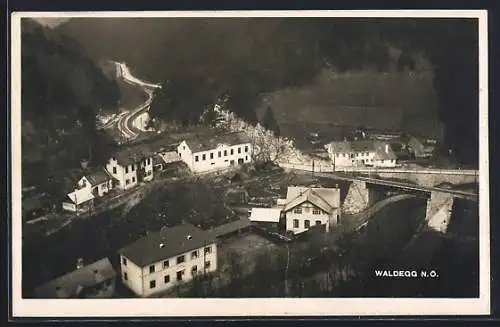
239	150
318	222
194	255
113	158
316	211
152	283
297	210
180	259
166	279
225	153
125	276
203	157
246	158
211	155
84	182
166	264
183	147
127	182
126	169
232	151
180	274
207	264
208	249
295	223
133	179
149	161
246	148
124	261
196	158
133	167
307	223
151	269
194	270
366	154
114	170
219	154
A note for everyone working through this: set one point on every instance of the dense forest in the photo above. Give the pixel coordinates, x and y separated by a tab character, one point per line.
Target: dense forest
199	60
62	91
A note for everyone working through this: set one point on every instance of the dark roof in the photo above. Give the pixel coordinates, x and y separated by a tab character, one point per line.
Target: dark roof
175	240
133	154
231	227
98	176
68	285
208	142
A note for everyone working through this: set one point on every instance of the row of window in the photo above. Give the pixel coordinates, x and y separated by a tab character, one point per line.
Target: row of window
358	154
307	223
180	259
314	211
219	154
179	275
127	181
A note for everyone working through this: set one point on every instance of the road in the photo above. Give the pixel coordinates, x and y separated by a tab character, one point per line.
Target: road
126	122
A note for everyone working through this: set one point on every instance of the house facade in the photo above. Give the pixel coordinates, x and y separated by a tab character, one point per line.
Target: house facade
306	207
369	153
166	258
203	154
92	185
130	167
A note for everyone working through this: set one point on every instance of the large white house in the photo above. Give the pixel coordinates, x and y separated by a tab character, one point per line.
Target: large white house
308	206
166	258
202	154
131	166
371	153
90	185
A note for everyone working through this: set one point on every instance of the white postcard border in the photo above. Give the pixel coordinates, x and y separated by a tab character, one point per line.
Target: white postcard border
252	307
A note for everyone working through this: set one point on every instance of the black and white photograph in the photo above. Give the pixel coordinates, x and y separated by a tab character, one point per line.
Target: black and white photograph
250	163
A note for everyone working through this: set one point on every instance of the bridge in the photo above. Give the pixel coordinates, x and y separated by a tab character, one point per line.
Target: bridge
472	196
439	204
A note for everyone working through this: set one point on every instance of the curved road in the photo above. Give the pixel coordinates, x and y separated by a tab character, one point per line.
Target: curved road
125	122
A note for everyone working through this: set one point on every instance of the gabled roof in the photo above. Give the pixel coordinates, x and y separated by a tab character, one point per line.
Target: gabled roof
98	176
231	227
271	215
133	154
67	286
166	243
326	199
210	142
170	157
80	196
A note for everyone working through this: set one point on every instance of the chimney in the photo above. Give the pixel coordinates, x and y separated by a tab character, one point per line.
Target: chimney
84	163
79	263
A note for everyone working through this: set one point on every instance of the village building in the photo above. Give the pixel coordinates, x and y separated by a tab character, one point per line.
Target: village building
90	184
311	206
370	153
204	153
96	280
266	218
166	258
131	166
421	148
233	228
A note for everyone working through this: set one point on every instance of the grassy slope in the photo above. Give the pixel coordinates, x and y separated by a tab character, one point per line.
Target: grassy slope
375	100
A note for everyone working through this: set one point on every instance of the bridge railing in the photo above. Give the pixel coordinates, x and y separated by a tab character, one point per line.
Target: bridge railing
321	167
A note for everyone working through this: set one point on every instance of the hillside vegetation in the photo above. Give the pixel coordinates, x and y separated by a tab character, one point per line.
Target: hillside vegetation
200	59
62	91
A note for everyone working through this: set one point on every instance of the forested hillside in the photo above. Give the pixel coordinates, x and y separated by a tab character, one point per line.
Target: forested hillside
198	60
62	90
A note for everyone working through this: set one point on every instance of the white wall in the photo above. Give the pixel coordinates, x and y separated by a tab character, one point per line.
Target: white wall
307	214
134	276
385	163
212	160
142	277
124	174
